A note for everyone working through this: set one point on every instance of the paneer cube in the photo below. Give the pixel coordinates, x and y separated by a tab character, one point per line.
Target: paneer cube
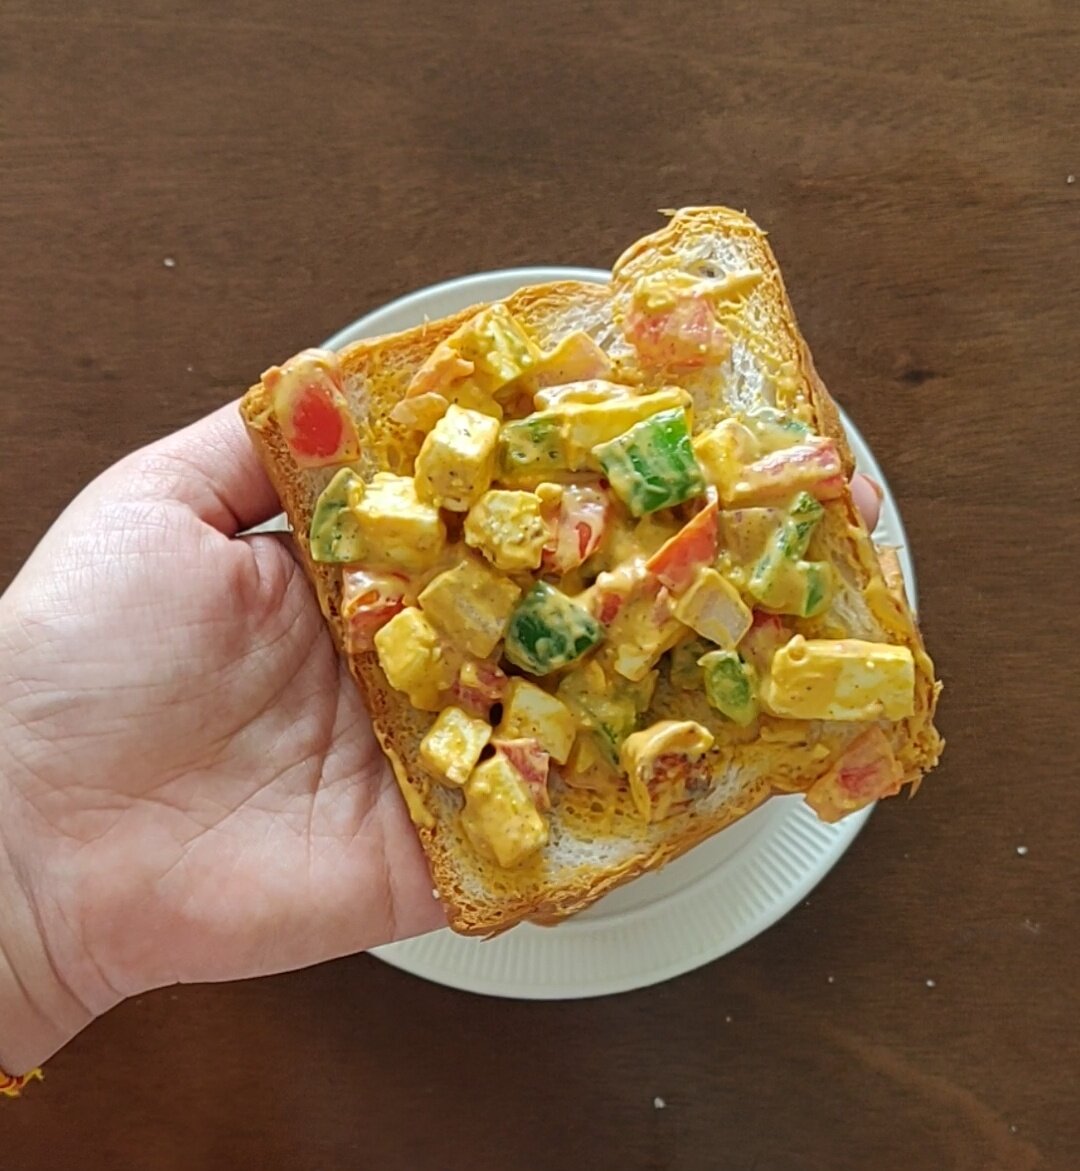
713	608
396	528
456	461
453	744
498	346
488	351
530	711
840	679
723	451
500	817
575	358
587	424
471	604
416	660
508	528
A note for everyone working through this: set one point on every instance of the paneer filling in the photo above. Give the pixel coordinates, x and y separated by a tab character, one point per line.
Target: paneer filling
566	541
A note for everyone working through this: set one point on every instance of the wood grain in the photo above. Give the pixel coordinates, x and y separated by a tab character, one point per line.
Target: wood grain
303	164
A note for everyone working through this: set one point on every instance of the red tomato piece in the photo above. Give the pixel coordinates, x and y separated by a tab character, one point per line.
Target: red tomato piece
311	410
687	335
317	427
865	771
579	528
479	686
813	466
530	761
608	608
767	634
694	545
369	601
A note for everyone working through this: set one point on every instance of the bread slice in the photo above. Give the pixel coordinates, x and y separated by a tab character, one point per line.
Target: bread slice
597	844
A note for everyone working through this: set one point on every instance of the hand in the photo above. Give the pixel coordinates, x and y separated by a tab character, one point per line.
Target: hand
189	783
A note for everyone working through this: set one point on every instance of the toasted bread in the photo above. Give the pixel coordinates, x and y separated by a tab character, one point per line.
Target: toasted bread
598	843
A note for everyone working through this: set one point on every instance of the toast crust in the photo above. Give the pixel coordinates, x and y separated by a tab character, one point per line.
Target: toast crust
597	845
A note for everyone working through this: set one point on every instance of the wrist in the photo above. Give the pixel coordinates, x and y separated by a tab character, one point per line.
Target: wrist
38	1013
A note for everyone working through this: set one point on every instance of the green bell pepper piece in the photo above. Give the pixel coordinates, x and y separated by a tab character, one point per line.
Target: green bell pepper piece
683	669
799	526
730	686
652	465
334	535
531	448
781	579
547	631
817	579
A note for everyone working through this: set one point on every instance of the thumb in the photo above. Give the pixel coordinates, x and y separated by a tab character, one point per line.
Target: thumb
212	467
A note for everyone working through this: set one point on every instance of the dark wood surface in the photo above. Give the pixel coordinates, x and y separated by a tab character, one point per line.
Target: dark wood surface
304	163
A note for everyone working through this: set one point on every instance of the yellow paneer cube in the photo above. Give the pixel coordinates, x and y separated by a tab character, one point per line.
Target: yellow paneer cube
587	390
481	356
456	461
587	424
471	604
396	528
575	358
500	817
712	607
507	527
415	659
840	679
530	712
723	451
497	345
453	744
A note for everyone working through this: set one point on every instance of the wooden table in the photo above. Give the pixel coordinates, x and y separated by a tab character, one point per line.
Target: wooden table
192	190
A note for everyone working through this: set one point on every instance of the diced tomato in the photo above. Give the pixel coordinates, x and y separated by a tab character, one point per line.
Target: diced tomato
693	546
311	410
767	634
865	771
686	335
479	686
317	427
608	607
531	762
663	607
369	601
813	466
578	528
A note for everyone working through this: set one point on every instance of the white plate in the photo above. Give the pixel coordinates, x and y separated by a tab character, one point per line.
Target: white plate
700	907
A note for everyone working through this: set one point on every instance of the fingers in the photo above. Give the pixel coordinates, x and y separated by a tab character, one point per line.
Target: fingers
211	466
867	496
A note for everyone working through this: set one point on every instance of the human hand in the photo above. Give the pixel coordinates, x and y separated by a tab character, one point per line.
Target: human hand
189	783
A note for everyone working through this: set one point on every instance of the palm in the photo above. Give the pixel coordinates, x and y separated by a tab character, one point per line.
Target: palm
218	799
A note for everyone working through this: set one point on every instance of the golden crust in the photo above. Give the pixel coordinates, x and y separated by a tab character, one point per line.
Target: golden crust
480	898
